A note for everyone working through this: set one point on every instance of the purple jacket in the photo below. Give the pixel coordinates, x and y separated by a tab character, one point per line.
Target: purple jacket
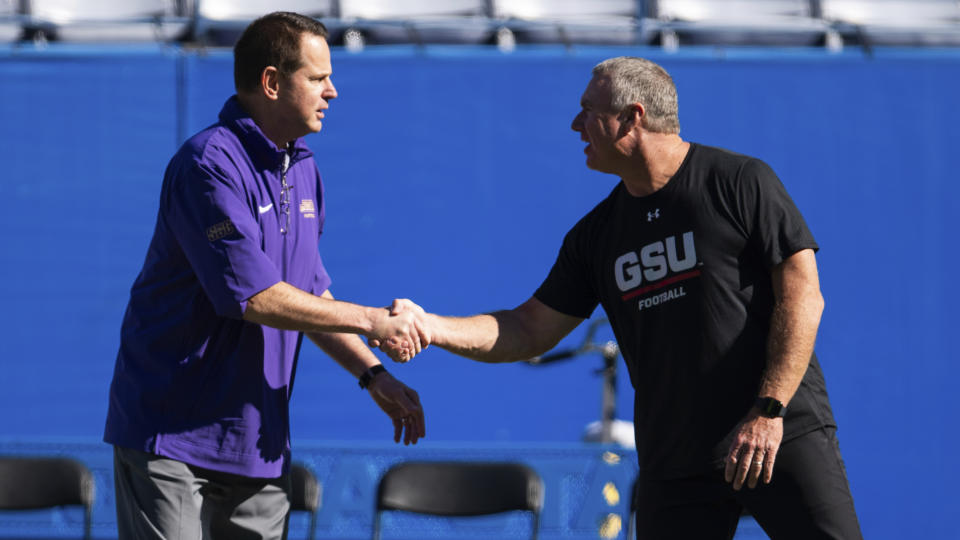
193	381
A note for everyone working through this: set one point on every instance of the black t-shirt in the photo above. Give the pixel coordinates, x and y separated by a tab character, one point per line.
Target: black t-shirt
684	275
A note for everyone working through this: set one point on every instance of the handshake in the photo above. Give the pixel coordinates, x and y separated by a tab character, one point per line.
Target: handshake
402	332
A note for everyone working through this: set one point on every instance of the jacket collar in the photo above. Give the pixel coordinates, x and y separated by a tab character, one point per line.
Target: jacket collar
264	153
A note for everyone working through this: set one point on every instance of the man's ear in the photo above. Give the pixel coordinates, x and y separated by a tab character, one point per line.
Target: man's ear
633	114
630	117
270	82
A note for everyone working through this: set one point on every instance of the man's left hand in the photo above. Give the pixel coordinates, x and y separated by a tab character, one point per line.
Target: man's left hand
402	405
753	451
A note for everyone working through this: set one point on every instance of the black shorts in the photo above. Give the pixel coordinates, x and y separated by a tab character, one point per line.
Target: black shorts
808	499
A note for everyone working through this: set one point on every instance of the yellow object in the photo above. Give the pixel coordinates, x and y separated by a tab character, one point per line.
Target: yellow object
611	494
610	458
610	526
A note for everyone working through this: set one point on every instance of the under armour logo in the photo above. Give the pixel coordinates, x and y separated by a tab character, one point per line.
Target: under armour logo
653	215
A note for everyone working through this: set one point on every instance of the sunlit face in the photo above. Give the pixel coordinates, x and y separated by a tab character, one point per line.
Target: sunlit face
599	126
306	93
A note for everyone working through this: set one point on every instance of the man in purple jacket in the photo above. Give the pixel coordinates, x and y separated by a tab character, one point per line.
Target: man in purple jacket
198	412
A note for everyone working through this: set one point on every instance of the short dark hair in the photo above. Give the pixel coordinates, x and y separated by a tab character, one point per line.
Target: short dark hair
271	40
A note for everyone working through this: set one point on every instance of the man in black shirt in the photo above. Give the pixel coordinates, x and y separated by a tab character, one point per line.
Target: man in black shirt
707	273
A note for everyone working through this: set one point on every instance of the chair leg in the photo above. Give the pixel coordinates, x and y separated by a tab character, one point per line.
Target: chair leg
87	522
376	525
313	525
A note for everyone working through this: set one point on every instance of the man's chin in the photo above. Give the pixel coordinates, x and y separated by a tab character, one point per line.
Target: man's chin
593	166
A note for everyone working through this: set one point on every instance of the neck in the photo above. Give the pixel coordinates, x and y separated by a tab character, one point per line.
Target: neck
658	160
268	123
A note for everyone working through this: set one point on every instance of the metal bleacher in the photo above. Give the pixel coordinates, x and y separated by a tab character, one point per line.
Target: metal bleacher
507	23
105	20
416	21
605	22
220	22
895	22
741	22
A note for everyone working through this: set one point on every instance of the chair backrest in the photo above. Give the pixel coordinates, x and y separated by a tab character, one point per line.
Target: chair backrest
107	20
103	10
707	10
306	493
221	22
771	23
895	22
459	489
9	8
550	9
410	9
248	10
11	21
46	482
892	12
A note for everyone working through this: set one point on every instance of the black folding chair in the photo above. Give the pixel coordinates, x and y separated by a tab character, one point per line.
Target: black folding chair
306	494
459	489
28	483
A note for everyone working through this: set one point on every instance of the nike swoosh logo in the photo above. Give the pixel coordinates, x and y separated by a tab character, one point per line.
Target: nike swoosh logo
264	209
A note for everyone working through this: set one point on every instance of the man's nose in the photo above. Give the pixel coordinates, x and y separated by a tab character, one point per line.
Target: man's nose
577	123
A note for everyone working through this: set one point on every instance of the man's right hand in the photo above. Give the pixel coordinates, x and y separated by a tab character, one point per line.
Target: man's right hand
400	331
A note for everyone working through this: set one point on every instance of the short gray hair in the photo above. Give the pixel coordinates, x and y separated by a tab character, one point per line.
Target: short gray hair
638	80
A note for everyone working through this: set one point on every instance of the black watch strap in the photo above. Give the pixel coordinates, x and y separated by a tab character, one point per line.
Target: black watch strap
369	374
770	407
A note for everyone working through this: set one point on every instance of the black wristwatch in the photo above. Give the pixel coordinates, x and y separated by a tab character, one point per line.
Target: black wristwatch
770	407
369	374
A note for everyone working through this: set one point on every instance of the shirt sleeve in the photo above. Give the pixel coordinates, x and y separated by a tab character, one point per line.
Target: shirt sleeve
569	287
776	227
321	282
220	237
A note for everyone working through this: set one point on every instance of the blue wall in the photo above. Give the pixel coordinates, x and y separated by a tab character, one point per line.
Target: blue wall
452	176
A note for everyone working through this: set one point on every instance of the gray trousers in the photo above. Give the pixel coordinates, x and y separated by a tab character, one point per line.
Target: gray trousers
165	499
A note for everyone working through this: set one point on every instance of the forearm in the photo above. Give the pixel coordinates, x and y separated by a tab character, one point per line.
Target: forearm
347	350
289	308
398	401
496	337
793	331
